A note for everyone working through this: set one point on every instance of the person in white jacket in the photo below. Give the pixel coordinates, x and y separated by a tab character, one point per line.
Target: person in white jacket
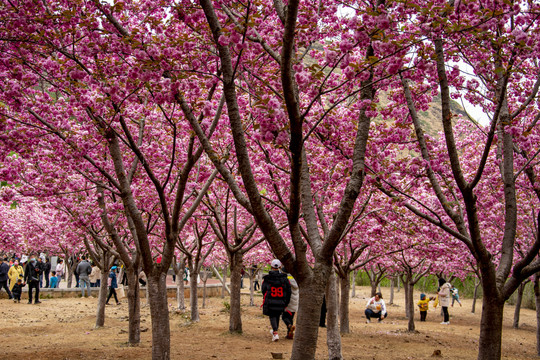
444	299
292	307
376	308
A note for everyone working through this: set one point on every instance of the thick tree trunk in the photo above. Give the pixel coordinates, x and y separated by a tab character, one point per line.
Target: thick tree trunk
134	307
374	285
311	291
392	286
344	306
406	288
333	337
489	347
537	302
159	312
517	309
193	296
102	298
409	303
235	317
475	295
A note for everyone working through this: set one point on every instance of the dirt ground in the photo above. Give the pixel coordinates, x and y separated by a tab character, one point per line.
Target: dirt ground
63	329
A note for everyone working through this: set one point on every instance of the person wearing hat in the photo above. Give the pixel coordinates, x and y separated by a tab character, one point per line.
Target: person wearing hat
4	270
423	305
113	284
276	291
15	273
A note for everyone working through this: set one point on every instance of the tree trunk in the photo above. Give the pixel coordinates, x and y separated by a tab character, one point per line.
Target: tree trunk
134	306
344	306
475	295
406	288
392	285
537	303
224	281
409	303
251	290
333	338
223	284
373	288
311	291
353	293
102	298
179	269
517	309
489	347
159	312
235	316
398	284
193	296
204	292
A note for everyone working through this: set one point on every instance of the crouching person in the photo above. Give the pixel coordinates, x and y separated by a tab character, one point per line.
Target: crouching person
376	308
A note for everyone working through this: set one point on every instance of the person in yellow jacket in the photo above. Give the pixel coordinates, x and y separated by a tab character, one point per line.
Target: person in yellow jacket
423	304
15	273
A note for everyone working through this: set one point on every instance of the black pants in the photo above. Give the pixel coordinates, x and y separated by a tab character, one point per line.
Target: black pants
33	285
287	318
256	285
112	291
274	319
445	313
47	278
423	315
4	284
17	297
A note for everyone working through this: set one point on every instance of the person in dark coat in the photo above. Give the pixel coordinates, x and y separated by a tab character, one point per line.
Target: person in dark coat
276	291
17	291
47	271
31	277
4	269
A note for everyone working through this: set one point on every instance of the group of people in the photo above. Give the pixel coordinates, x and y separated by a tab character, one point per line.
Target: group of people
31	275
445	292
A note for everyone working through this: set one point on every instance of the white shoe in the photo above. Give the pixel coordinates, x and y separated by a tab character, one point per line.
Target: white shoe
445	323
368	321
275	336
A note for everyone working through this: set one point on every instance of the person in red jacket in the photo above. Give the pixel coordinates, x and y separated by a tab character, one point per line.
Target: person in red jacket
276	291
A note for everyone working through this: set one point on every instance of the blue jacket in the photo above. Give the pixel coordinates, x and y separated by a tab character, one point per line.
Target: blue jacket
112	276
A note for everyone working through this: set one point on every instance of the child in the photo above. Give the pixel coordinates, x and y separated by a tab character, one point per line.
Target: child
54	280
423	304
17	291
455	295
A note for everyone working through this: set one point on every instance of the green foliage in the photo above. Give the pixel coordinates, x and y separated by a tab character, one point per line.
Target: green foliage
527	301
226	307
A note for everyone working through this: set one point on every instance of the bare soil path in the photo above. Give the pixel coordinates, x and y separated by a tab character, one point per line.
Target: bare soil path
63	329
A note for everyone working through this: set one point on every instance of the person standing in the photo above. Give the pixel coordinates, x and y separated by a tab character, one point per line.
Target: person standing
95	276
4	270
17	291
444	299
84	269
15	273
455	295
423	305
31	277
54	280
276	291
41	266
59	271
376	308
113	284
46	271
292	306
